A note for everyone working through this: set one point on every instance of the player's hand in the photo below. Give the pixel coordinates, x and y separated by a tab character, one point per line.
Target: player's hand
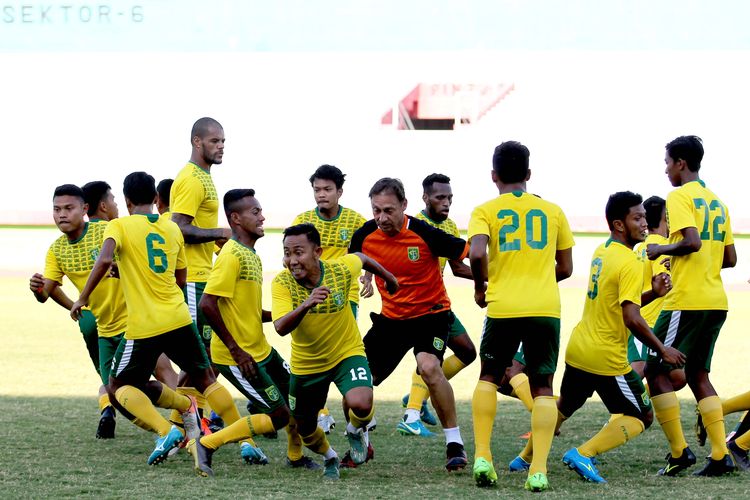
479	296
114	271
391	283
317	296
36	283
653	251
661	284
75	310
245	363
667	263
367	290
672	356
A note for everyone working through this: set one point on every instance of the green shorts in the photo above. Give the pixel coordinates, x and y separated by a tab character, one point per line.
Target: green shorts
107	349
193	292
87	325
537	339
619	393
456	328
269	390
308	393
693	333
637	350
135	359
519	355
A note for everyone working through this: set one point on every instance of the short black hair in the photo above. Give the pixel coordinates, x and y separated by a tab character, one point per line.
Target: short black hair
688	148
163	189
510	161
389	185
139	188
329	173
69	190
432	179
654	208
201	126
307	229
93	194
231	198
619	205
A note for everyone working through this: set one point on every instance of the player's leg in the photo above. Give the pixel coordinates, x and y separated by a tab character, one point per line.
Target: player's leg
164	372
107	346
90	334
354	381
385	345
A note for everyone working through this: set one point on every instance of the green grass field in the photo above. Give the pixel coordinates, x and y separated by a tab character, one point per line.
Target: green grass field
48	417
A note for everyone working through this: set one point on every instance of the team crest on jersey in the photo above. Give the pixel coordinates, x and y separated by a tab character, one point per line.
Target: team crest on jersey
206	332
94	253
438	343
343	234
338	299
646	400
273	393
413	253
292	403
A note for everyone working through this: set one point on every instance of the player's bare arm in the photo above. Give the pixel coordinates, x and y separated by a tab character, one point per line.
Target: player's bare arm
287	323
730	257
660	285
563	264
194	234
209	306
690	243
374	267
460	269
631	315
478	261
266	316
180	276
100	270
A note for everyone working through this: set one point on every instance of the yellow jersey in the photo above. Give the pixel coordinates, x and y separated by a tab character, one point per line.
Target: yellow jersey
328	333
599	342
193	193
149	249
447	226
651	268
75	259
696	278
237	279
525	232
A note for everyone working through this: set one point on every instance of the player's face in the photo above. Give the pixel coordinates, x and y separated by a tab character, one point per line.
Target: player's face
438	203
673	170
301	256
326	194
109	202
212	146
251	217
636	225
388	212
68	213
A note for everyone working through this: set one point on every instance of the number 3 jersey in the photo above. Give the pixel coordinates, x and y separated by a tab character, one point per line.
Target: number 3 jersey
696	278
149	249
525	232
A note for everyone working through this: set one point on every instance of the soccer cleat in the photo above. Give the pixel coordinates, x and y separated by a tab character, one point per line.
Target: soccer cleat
205	427
715	468
456	457
676	465
424	413
415	428
215	422
165	443
331	469
106	428
303	463
358	445
201	458
518	464
191	420
583	466
739	455
372	425
700	430
253	454
348	463
537	482
326	422
484	473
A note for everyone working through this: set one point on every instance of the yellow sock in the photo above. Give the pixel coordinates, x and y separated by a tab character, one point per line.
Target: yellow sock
172	400
743	441
522	390
614	417
528	451
361	422
293	441
667	411
241	429
221	401
737	403
452	365
103	402
543	423
249	441
324	411
317	442
483	411
713	421
200	399
616	433
138	405
419	392
175	416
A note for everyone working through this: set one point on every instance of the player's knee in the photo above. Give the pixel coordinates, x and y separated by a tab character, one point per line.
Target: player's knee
467	356
678	379
431	370
280	417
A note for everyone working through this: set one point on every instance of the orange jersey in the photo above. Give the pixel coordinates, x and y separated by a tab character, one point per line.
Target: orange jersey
413	257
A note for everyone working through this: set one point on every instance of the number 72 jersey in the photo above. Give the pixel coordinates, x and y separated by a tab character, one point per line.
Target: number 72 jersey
525	232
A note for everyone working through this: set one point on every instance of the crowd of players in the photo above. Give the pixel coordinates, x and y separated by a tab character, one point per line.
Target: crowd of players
173	287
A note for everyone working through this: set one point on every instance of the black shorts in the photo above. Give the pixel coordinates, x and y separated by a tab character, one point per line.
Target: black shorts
620	393
389	339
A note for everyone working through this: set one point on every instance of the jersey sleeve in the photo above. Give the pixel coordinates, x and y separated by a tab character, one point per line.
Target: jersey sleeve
631	282
679	211
186	196
282	300
298	220
223	278
440	243
114	232
478	223
52	270
353	264
564	234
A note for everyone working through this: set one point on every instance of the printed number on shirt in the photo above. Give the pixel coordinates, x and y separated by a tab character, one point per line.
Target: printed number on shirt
716	223
157	258
536	230
596	270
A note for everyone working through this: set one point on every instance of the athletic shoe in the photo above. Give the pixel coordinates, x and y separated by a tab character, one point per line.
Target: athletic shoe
518	464
191	420
206	427
715	468
106	428
700	430
537	482
326	422
163	444
424	413
348	463
331	469
456	457
201	458
739	455
303	463
582	465
415	428
372	425
358	445
253	454
676	465
484	473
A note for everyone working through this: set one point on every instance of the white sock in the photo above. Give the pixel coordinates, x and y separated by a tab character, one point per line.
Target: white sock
411	415
351	428
330	453
453	435
367	436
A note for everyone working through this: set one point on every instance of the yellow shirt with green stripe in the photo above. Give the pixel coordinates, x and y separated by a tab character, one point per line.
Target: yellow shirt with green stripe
335	235
328	333
75	259
447	226
599	342
193	193
651	268
525	232
237	279
149	250
696	277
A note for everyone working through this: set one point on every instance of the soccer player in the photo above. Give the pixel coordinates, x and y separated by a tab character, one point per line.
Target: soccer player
417	316
152	266
530	250
310	301
700	246
438	197
162	197
336	225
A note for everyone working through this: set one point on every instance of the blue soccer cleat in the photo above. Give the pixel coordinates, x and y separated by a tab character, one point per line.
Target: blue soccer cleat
518	464
163	444
415	428
583	466
253	454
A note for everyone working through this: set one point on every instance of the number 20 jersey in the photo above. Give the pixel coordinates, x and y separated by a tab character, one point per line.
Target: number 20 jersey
525	232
